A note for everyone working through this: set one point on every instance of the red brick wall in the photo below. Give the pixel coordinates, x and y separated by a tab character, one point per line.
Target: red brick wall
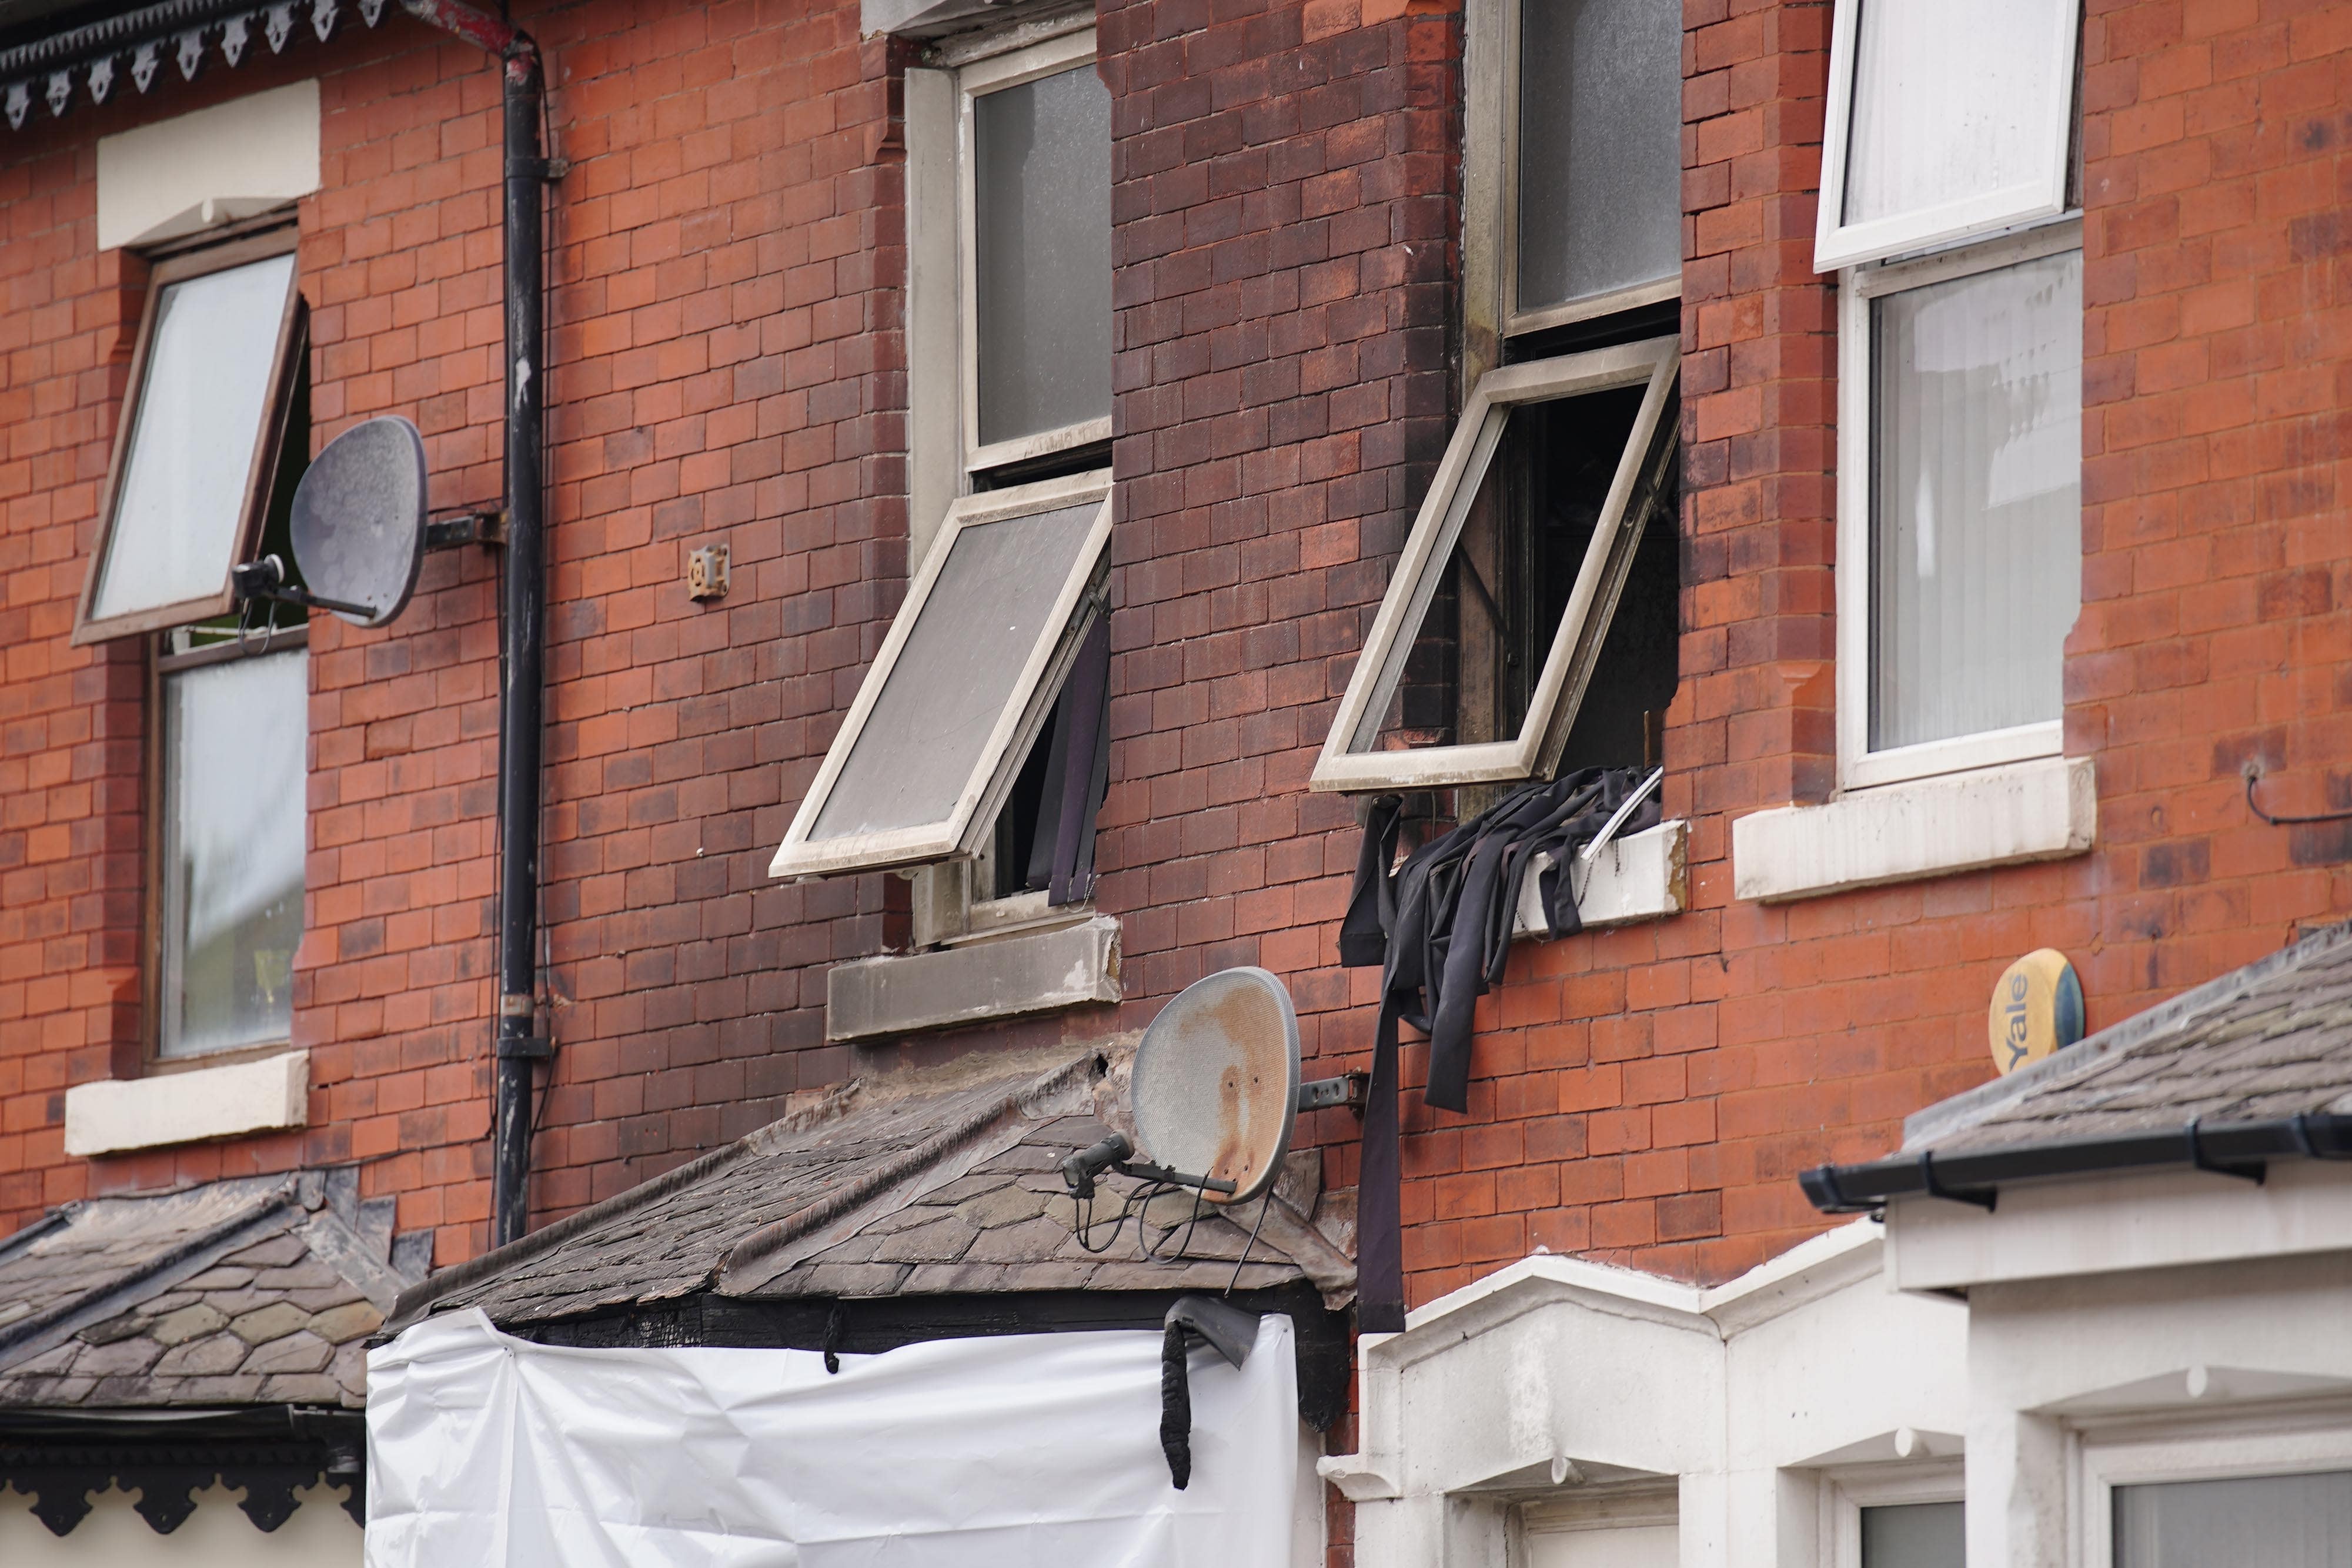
726	365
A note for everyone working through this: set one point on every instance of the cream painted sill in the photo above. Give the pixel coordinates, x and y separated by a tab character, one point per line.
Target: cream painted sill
2045	809
1005	977
1643	876
114	1115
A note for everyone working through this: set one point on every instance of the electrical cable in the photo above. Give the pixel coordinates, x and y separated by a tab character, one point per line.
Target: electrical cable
1263	1205
2253	774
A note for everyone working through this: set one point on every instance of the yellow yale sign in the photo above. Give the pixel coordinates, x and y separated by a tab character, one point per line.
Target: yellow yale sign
2037	1008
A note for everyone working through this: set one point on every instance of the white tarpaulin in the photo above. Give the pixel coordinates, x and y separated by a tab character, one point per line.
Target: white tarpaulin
1029	1451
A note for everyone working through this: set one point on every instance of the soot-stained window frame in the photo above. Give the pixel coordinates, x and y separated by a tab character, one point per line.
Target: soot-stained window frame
1347	763
1839	243
1080	598
279	239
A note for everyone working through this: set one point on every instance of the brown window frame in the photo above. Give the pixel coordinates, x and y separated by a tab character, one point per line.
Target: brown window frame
162	661
293	333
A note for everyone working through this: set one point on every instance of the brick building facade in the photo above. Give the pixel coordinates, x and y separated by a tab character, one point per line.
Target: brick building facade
731	362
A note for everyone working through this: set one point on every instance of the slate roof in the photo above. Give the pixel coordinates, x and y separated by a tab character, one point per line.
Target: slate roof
930	1182
258	1291
2272	1039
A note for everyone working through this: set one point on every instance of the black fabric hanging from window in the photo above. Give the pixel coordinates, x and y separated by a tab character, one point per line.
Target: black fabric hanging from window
1439	927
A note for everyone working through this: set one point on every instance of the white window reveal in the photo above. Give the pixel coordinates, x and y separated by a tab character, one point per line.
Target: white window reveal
1531	622
965	684
235	736
198	447
1960	508
1944	121
1595	121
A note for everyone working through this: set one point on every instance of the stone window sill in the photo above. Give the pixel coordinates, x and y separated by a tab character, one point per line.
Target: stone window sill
116	1115
1032	971
2047	809
1643	876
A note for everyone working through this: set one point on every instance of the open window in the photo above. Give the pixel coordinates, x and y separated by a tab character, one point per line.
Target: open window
1533	618
196	451
1944	121
977	732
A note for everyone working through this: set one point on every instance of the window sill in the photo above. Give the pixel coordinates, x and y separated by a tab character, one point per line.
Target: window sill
1643	876
115	1115
2045	809
1013	974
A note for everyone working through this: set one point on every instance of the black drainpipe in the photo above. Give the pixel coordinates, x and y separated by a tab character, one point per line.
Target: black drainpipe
525	602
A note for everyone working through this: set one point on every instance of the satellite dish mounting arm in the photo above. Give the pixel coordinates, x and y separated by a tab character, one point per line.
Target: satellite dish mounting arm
265	579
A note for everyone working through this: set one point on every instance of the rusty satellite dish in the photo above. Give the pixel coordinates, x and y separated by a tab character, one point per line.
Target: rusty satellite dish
1216	1081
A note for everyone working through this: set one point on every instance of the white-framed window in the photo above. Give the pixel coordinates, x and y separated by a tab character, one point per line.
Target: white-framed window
1893	1516
1944	121
196	447
1009	312
1573	162
230	769
964	691
2277	1493
1959	501
1553	496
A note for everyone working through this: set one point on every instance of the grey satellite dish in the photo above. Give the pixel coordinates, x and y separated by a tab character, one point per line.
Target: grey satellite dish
1216	1081
358	529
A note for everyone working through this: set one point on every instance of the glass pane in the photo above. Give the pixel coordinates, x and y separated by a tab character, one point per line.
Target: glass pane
1042	226
1977	561
210	368
1480	647
1951	101
957	671
1915	1535
234	742
2256	1521
1601	151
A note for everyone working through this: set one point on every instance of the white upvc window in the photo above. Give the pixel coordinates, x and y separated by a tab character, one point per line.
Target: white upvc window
1960	506
1551	497
1893	1516
1944	121
2276	1492
965	686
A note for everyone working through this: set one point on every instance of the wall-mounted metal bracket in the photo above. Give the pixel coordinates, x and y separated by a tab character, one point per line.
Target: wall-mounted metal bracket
485	528
1329	1093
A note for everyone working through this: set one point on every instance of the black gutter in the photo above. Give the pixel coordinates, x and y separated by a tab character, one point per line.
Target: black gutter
2226	1148
518	1043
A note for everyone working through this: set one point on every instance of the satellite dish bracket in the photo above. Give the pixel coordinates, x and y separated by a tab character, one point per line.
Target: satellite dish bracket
1079	1172
265	579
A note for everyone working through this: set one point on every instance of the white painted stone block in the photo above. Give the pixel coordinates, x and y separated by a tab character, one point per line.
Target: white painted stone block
114	1114
1642	876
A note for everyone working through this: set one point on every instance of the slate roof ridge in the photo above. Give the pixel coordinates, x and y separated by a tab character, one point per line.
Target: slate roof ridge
1974	1107
837	1104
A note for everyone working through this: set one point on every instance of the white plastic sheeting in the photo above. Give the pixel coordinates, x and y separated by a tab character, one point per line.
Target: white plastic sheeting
1026	1451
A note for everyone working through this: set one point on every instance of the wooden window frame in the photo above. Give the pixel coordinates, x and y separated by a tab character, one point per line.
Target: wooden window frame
261	471
1859	766
1035	689
1655	363
1838	244
161	662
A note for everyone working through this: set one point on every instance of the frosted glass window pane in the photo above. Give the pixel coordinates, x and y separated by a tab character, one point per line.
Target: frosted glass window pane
1600	121
957	671
1977	523
1913	1535
233	739
1042	226
2254	1522
1951	101
211	366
